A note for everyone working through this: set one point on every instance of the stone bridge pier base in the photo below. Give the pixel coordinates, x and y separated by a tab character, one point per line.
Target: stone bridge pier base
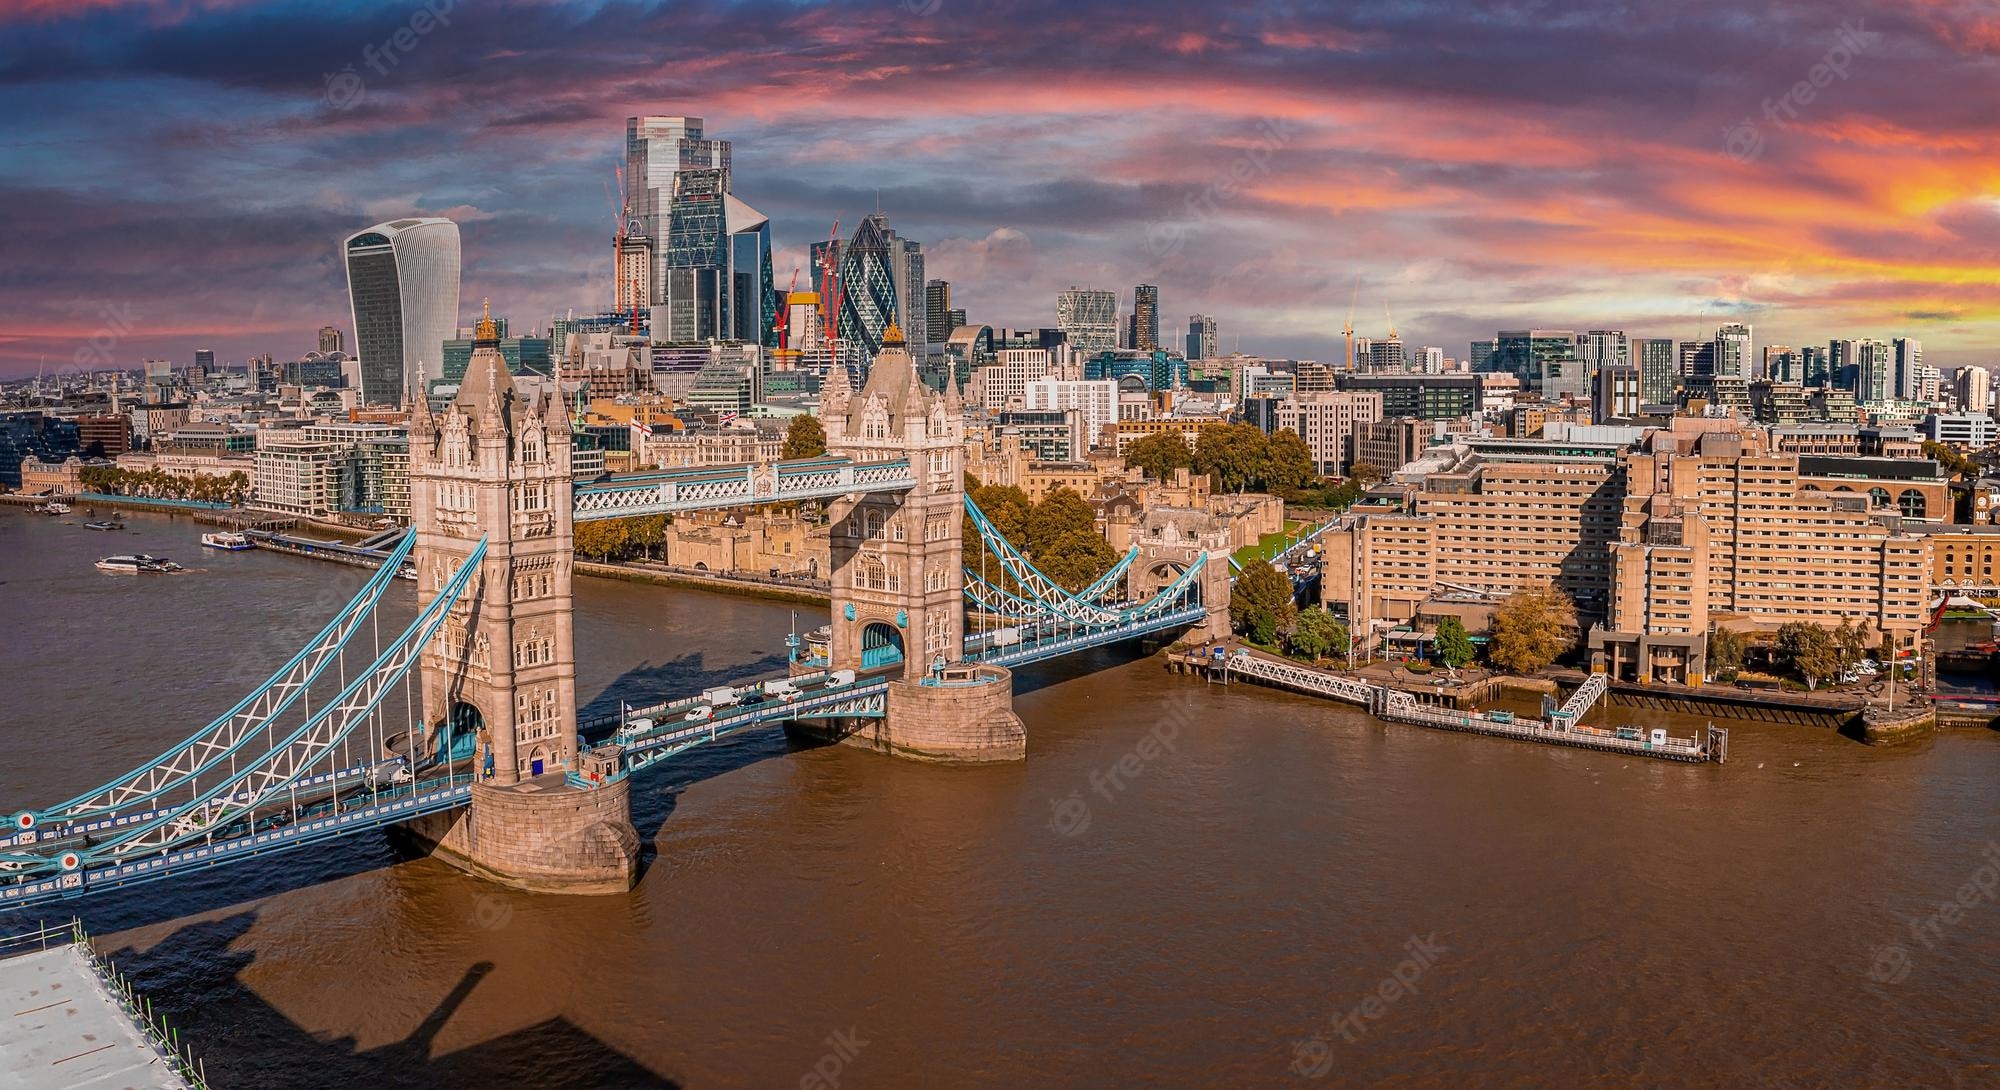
960	715
541	835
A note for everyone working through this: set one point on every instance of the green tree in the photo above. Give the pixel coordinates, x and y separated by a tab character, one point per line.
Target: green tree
804	438
646	533
602	538
1061	513
1810	651
1454	643
1260	604
1288	462
1077	559
1365	474
1159	454
1532	628
1725	649
1850	641
1234	456
1317	635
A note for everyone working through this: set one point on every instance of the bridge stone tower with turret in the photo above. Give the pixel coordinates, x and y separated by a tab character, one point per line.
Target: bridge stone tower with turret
898	570
496	464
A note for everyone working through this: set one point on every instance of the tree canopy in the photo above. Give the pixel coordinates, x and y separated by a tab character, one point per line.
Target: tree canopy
1810	650
1532	628
1318	634
1260	604
1159	454
1288	462
1454	643
1234	456
805	437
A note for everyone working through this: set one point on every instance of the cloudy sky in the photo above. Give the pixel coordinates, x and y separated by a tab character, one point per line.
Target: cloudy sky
177	173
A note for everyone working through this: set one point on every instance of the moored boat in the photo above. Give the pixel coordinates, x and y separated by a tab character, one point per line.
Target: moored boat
226	539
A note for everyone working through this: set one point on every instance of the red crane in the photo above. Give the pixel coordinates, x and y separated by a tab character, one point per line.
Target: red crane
782	324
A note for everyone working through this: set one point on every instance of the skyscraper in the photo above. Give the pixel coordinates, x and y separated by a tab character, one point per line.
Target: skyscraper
881	282
1732	351
204	360
1543	359
1385	357
1201	337
402	283
1601	348
937	310
1877	372
329	340
1088	317
1145	318
1659	369
1973	387
1783	363
710	253
1909	367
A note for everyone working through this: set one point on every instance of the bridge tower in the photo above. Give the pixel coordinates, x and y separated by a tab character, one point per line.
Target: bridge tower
496	464
898	571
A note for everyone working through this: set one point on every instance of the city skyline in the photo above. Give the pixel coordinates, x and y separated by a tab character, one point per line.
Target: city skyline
1252	166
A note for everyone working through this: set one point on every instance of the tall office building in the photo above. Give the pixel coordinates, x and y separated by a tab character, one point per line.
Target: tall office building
1543	359
1385	357
1601	348
1428	360
1088	318
709	252
881	282
1973	387
1479	354
1732	351
1876	372
937	311
402	285
1145	334
1783	363
1698	360
1909	368
1201	337
1659	369
329	340
1818	370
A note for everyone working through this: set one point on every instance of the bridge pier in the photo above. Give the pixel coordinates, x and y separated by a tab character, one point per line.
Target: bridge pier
541	835
962	715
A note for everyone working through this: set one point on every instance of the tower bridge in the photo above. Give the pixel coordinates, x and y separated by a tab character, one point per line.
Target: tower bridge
480	758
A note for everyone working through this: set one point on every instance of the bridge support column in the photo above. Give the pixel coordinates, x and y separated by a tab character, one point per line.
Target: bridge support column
962	715
540	838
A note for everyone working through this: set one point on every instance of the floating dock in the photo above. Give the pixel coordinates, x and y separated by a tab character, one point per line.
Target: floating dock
1564	727
72	1021
365	554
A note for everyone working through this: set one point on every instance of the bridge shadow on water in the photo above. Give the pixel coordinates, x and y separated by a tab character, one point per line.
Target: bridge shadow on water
194	977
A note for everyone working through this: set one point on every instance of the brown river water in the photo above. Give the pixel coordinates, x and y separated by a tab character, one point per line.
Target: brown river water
1182	886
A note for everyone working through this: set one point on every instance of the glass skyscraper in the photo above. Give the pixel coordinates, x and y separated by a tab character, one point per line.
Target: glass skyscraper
711	276
881	280
1088	317
402	283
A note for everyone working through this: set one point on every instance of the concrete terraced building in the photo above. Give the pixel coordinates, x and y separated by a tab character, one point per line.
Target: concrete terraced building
1655	534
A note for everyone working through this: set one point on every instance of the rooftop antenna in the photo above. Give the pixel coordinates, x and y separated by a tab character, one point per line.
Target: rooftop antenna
1349	328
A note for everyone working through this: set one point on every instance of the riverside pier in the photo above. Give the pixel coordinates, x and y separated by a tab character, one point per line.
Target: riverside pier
1564	727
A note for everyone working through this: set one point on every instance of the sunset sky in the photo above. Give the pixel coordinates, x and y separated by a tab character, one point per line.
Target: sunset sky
182	167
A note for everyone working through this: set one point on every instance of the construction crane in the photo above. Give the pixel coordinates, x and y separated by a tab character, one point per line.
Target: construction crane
782	324
1349	328
830	296
621	215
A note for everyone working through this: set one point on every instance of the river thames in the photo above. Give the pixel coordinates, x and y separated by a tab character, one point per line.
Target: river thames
1284	893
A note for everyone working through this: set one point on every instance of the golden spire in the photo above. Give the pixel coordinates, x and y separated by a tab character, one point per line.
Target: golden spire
893	336
486	330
